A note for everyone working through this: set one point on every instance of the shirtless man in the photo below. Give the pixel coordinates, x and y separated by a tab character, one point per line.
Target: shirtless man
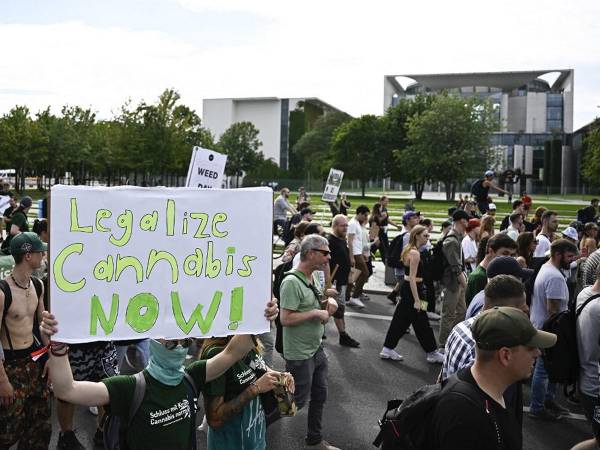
24	396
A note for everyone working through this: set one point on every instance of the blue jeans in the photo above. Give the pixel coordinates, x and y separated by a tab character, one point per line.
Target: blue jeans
541	389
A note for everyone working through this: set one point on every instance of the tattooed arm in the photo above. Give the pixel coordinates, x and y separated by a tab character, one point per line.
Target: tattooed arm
218	411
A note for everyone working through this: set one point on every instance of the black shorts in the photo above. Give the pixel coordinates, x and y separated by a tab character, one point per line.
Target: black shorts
93	361
591	409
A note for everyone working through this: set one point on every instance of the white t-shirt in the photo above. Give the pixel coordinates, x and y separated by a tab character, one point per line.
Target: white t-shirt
550	284
513	233
469	249
588	343
366	243
355	229
543	245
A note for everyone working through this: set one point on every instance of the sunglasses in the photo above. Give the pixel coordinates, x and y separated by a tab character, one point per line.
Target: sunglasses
171	344
322	252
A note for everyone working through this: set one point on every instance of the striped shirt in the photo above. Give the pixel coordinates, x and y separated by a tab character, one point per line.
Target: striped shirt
590	268
460	348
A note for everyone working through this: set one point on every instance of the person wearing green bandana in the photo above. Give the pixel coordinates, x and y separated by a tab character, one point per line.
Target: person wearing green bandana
164	419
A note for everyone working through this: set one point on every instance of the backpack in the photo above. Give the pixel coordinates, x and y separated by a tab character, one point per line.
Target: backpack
407	424
395	251
477	189
438	262
5	288
288	228
562	360
115	431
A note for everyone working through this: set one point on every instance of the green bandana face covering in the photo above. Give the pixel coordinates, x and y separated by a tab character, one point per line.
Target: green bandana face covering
165	365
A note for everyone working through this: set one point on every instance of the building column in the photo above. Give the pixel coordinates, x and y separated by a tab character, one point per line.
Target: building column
528	169
567	179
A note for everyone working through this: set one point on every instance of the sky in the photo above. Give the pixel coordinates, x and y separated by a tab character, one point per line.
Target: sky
99	54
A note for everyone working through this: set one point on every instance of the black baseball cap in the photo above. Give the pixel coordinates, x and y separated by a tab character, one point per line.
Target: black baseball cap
507	265
460	214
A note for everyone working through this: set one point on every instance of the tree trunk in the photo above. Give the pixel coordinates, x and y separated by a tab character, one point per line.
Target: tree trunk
419	188
448	189
363	184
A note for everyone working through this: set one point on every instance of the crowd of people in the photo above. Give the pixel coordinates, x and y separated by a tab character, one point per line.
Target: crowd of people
494	290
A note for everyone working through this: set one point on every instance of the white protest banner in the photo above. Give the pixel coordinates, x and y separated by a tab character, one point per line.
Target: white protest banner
130	262
332	187
206	168
4	203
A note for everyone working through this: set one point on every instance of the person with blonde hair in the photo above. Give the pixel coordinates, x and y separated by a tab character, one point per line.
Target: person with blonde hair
412	310
487	227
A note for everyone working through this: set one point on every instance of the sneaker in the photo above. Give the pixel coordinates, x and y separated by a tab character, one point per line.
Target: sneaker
99	438
433	316
551	405
388	353
93	410
68	441
323	445
204	425
355	302
435	358
365	297
347	341
392	297
545	414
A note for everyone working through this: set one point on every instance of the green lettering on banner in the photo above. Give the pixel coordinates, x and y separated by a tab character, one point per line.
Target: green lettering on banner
194	260
129	261
196	317
148	222
236	308
203	217
229	266
75	219
170	217
213	266
102	214
57	269
97	314
125	221
103	270
156	256
142	312
218	218
247	270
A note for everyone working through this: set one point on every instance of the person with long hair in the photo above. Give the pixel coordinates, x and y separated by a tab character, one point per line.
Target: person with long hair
294	247
526	245
487	229
234	411
589	241
411	309
536	222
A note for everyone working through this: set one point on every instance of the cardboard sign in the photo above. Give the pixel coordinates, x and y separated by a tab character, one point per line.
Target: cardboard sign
4	203
206	168
129	262
334	182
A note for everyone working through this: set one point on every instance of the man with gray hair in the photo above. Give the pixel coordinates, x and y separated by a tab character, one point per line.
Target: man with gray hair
303	316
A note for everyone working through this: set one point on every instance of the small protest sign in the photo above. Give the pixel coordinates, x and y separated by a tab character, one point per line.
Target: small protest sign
129	262
4	203
332	187
206	168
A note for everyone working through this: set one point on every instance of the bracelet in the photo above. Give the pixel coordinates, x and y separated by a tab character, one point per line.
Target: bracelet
59	348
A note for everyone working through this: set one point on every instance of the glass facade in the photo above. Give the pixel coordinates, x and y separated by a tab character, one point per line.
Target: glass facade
554	112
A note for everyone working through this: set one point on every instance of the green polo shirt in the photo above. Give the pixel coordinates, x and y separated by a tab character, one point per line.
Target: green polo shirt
477	282
301	341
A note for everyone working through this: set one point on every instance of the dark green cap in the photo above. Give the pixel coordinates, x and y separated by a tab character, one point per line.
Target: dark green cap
27	242
503	326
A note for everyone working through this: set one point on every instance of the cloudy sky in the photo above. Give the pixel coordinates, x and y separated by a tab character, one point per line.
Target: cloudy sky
100	53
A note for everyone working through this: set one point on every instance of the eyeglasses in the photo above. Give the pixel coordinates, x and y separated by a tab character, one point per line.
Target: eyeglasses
171	344
322	252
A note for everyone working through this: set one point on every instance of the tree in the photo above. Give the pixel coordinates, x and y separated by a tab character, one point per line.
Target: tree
240	143
313	148
591	157
355	146
449	141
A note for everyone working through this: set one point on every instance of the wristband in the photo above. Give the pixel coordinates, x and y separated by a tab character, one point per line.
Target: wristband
59	349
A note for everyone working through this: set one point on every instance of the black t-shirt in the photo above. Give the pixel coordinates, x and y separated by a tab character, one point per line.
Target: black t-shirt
340	256
460	424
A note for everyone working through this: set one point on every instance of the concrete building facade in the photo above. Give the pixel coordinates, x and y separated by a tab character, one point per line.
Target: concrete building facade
534	108
270	115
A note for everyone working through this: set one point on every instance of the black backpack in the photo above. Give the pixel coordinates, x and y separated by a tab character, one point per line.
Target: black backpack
438	262
395	251
562	360
5	288
115	431
407	424
477	189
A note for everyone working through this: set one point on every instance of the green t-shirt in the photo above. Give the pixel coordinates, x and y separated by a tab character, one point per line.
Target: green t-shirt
476	283
301	341
164	417
19	219
247	430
